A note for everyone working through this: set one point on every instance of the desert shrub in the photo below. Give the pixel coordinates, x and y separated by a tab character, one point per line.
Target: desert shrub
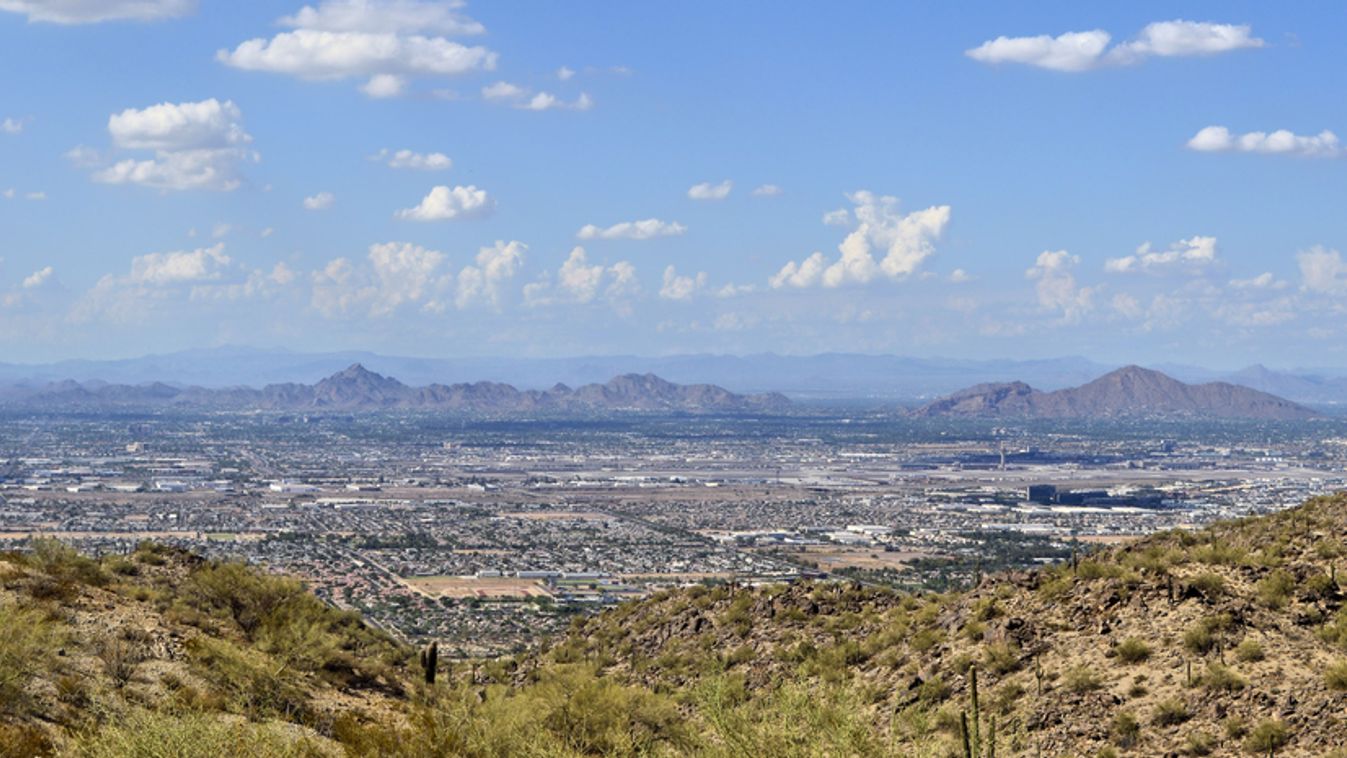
986	609
1336	676
63	562
925	640
974	630
1334	631
1267	736
1219	554
1235	727
120	565
1005	696
1132	650
24	741
1001	658
1154	558
1170	712
1202	637
1099	570
569	711
284	620
29	640
1199	743
119	657
1249	650
249	682
1319	586
151	735
1218	678
1210	585
1274	590
1081	679
1126	730
791	719
933	691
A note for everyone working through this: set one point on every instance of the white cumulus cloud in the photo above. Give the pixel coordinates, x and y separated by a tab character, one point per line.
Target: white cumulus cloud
1194	253
1323	270
1056	286
1082	51
179	266
677	287
94	11
579	281
204	125
709	191
395	274
1218	139
444	203
38	278
409	159
526	99
196	145
1263	281
633	230
319	202
766	190
382	86
11	125
485	282
384	41
385	16
902	242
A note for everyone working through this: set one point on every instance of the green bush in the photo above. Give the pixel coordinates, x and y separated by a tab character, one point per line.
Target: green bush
1202	637
1081	679
1132	650
1274	590
1249	650
159	735
1199	743
250	682
1336	676
1126	730
1211	586
1001	658
1220	678
1170	712
29	640
1268	736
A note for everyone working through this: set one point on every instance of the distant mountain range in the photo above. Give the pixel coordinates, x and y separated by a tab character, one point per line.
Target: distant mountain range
829	376
359	389
1129	391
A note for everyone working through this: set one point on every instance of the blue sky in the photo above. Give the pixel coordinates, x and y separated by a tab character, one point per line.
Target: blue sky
1136	182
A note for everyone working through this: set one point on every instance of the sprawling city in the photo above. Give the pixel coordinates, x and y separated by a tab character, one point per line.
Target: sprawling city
490	534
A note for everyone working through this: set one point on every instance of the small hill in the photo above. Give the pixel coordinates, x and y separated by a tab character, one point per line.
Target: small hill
1131	391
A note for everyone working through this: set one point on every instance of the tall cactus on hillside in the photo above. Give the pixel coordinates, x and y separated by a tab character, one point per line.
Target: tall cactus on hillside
430	661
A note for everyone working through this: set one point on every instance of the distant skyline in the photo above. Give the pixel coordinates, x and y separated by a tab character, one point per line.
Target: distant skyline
1138	183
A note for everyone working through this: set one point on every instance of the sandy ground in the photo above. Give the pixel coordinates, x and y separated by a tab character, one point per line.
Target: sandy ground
468	586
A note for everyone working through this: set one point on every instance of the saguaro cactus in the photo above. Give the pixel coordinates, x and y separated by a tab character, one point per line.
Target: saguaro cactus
430	661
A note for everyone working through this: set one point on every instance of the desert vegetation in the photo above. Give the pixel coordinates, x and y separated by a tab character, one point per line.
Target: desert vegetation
1231	640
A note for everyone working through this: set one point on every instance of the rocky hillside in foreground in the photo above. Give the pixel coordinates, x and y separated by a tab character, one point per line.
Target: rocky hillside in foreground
1227	641
359	389
1128	392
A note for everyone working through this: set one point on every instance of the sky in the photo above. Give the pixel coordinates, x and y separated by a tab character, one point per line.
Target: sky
1135	182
